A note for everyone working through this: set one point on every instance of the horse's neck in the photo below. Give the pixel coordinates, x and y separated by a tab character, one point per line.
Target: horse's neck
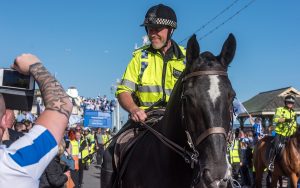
294	144
171	125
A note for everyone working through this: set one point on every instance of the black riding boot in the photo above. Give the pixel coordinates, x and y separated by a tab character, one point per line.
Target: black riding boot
107	171
273	152
271	159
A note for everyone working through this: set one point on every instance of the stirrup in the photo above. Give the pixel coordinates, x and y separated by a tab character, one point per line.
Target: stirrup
271	166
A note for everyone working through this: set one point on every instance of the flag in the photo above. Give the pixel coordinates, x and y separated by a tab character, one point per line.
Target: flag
238	108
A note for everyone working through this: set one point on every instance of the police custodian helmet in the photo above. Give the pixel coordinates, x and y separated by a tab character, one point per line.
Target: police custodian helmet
289	99
160	15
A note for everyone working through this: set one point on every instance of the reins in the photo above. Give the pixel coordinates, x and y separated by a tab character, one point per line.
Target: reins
189	157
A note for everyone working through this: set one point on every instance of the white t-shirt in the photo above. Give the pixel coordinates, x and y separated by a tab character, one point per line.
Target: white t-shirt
22	164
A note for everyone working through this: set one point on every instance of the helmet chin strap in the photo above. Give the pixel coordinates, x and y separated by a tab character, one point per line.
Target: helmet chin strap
169	36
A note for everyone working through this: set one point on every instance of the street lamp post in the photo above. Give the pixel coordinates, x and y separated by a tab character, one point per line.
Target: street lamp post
116	112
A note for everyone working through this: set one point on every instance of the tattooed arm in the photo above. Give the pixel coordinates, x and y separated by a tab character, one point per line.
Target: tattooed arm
58	106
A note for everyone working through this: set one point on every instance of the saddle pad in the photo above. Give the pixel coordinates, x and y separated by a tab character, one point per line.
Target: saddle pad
124	143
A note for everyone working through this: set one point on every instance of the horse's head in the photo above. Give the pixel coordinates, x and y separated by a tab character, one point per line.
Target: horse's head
207	97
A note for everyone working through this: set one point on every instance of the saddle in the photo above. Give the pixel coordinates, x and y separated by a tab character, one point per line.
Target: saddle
129	138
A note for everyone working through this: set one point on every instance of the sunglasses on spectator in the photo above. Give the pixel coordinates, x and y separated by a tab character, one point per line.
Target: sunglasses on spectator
290	102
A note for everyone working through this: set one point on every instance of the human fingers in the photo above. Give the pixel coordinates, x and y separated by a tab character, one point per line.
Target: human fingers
23	62
142	115
134	117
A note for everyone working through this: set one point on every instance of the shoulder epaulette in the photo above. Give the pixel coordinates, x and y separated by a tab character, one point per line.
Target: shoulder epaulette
140	49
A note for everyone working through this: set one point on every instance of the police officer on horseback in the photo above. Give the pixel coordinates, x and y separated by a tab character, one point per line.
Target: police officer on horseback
150	75
285	119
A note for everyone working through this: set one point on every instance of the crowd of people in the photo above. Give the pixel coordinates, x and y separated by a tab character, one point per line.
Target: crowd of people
99	104
83	147
241	149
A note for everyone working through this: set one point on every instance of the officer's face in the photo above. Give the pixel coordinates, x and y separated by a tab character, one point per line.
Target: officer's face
158	36
290	105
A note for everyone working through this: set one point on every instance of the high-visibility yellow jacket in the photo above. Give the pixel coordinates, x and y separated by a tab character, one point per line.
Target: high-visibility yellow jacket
91	138
234	152
85	150
152	76
105	138
75	147
285	128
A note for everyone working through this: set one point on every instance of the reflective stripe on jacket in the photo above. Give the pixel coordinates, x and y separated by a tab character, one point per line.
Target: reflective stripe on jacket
149	75
285	128
234	152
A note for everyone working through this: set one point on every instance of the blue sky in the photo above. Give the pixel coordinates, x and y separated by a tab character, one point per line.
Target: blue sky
88	44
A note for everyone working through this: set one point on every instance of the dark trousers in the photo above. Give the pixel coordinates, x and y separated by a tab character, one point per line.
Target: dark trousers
108	173
235	170
81	168
107	170
99	155
77	175
245	174
276	146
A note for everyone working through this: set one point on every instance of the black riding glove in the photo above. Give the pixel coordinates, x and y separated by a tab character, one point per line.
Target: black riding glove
288	120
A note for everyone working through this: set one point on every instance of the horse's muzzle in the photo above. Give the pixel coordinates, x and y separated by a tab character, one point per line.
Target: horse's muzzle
208	181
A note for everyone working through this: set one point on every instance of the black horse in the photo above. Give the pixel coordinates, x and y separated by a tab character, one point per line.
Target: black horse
197	119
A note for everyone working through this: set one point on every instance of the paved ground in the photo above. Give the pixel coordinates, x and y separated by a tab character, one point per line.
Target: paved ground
284	181
91	178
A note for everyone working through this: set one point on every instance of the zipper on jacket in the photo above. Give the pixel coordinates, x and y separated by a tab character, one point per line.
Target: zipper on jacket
163	80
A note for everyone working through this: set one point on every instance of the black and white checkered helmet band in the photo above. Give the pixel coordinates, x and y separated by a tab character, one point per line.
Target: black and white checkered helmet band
290	100
161	21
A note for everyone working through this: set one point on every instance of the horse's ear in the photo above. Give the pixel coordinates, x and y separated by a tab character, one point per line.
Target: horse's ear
228	50
192	51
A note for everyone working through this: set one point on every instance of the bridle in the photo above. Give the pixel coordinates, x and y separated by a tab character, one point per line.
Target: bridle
191	157
208	132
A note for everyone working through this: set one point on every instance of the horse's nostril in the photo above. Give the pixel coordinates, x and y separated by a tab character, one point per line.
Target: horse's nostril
207	176
223	183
